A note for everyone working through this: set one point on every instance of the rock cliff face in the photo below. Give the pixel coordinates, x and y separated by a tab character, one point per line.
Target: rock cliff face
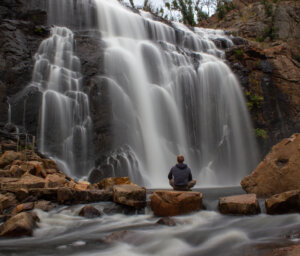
267	63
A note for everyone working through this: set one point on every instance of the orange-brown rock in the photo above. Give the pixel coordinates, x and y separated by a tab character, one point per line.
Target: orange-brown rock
292	250
44	205
278	172
130	195
22	208
55	180
108	183
287	202
83	185
26	181
7	200
9	156
239	204
21	224
172	203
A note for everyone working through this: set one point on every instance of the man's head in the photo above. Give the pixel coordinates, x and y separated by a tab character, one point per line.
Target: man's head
180	159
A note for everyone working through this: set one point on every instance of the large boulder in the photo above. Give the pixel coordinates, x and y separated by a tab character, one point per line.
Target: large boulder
278	172
172	203
20	225
287	202
9	156
130	195
239	204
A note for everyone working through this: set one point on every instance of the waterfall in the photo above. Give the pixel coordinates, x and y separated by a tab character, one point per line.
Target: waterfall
173	94
65	122
170	89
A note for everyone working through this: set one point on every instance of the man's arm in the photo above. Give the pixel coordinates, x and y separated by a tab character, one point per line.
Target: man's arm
170	176
190	175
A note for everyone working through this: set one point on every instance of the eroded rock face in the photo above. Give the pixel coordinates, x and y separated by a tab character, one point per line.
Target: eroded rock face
278	172
172	203
287	202
239	204
130	195
22	224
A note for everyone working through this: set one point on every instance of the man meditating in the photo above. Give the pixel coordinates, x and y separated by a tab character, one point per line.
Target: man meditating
180	176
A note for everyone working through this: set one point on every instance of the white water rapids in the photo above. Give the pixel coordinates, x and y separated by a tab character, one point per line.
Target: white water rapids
62	232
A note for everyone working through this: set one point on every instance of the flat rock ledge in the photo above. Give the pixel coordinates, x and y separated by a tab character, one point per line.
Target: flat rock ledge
130	195
287	202
239	205
171	203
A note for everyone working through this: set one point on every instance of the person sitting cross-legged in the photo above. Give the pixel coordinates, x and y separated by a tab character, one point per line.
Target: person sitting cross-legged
180	176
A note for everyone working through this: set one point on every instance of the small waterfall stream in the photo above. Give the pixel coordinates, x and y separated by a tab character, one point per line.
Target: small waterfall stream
65	120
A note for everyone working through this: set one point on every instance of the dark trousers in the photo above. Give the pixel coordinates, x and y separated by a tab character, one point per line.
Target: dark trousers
191	184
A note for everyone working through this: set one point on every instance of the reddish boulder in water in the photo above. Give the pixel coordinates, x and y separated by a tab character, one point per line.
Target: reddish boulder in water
239	204
287	202
89	212
130	195
172	203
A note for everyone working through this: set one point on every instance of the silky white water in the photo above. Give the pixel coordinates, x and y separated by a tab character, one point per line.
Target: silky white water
65	123
62	232
173	94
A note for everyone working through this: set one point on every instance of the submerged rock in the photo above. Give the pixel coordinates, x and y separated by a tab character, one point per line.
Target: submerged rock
278	172
20	225
166	221
130	195
287	202
90	212
239	204
124	236
172	203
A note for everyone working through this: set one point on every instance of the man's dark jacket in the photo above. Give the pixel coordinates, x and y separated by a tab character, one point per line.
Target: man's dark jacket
181	173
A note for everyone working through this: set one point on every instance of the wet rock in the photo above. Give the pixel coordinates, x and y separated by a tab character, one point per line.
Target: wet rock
55	180
90	212
9	156
278	172
292	250
287	202
123	236
21	224
44	205
21	194
166	221
121	209
172	203
27	181
83	185
7	200
108	183
22	208
130	195
239	204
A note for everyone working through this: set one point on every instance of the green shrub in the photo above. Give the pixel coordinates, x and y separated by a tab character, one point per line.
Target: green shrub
239	54
253	100
297	58
261	133
268	8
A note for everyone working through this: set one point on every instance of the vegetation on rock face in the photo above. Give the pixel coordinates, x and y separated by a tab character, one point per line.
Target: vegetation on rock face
261	133
223	7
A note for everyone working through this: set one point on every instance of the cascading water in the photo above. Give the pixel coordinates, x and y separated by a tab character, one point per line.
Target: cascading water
65	121
173	94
